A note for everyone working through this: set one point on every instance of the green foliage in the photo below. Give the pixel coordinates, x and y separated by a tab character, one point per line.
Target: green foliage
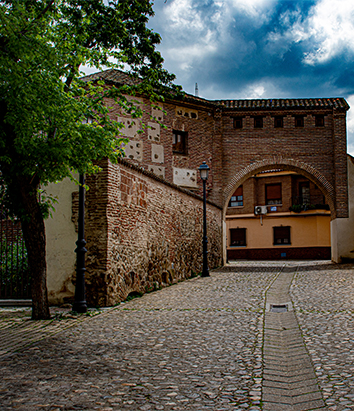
52	124
194	274
297	208
133	295
12	255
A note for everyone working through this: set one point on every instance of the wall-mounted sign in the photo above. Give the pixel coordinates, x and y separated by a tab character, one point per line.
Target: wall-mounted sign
273	208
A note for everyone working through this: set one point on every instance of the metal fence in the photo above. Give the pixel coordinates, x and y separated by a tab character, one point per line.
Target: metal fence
14	271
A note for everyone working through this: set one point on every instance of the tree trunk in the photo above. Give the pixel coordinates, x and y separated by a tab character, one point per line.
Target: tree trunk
23	192
33	229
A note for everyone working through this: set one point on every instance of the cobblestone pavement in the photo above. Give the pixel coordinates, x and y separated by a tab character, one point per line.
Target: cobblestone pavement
194	346
18	331
323	297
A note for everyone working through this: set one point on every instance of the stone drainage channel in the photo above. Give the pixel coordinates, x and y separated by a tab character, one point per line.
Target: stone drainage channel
289	381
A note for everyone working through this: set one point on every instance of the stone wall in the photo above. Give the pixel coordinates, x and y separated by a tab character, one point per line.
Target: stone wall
143	233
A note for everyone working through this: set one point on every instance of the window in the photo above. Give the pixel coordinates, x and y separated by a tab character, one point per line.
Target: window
273	193
258	122
299	121
278	122
319	121
237	198
238	122
237	237
179	142
304	191
281	235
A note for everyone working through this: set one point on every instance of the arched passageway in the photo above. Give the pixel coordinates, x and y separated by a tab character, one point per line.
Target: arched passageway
278	209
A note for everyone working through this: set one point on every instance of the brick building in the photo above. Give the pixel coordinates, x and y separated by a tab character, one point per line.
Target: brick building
239	139
243	142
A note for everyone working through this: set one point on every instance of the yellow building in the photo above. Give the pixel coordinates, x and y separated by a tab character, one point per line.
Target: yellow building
278	214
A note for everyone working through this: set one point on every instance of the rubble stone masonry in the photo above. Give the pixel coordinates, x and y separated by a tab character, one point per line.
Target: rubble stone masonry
143	233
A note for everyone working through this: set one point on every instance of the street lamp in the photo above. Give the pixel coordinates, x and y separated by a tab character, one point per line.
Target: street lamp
204	172
80	305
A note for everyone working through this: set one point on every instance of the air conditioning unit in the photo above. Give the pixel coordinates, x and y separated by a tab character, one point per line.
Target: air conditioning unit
260	210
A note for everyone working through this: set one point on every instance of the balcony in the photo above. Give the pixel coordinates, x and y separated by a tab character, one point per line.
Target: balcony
305	204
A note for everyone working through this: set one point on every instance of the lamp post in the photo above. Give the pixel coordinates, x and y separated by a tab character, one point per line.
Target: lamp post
204	172
80	305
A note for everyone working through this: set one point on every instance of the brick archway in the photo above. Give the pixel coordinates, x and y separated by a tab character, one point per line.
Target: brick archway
286	164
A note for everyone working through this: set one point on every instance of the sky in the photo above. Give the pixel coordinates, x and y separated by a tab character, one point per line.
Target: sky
248	49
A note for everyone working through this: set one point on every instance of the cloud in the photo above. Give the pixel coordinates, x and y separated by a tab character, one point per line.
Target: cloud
189	34
236	43
326	32
258	10
197	32
239	49
226	42
332	30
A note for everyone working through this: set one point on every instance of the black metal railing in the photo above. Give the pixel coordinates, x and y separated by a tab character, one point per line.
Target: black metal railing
299	203
14	271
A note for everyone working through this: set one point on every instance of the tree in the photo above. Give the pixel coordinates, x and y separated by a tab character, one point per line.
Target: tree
43	103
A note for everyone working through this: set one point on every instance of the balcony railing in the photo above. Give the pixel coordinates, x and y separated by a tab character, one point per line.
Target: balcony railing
304	204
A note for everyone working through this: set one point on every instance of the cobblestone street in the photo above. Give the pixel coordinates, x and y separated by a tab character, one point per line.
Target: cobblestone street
206	343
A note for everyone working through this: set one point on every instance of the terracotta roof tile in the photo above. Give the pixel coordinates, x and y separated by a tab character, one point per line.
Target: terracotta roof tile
120	77
111	75
338	103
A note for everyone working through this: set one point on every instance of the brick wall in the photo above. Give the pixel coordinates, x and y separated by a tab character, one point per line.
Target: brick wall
143	233
234	154
317	151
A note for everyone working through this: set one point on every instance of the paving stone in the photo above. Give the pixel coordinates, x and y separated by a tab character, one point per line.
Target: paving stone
324	306
197	345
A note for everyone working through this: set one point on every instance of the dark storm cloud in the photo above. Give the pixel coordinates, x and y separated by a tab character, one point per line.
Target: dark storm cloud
250	47
260	48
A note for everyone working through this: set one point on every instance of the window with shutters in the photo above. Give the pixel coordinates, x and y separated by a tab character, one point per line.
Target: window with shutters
281	235
273	194
179	142
237	237
237	198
